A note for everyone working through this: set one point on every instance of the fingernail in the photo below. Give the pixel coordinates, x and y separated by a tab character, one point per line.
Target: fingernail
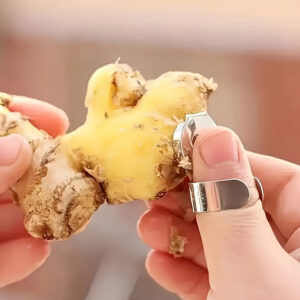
10	148
219	148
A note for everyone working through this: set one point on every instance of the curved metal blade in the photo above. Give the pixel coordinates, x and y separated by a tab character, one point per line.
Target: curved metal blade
185	133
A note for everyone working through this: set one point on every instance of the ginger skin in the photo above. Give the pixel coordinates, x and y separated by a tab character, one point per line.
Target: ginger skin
57	198
123	152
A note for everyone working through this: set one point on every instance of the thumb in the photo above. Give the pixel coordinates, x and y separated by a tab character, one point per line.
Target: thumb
240	248
15	156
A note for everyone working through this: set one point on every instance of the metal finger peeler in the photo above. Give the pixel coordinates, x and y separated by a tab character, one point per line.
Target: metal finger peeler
230	193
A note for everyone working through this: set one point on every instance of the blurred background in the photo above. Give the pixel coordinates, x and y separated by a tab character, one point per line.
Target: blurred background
48	50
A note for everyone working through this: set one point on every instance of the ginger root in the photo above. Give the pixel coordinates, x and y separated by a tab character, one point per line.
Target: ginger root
124	151
57	197
177	242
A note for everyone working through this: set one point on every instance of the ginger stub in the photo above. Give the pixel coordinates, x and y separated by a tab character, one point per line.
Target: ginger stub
124	151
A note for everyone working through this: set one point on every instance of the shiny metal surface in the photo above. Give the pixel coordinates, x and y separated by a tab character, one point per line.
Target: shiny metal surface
221	195
218	195
185	132
259	189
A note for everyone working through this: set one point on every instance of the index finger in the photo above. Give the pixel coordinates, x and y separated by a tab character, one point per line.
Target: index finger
41	114
281	183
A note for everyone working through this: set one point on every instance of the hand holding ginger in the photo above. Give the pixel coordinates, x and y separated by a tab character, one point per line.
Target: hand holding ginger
21	254
124	151
247	253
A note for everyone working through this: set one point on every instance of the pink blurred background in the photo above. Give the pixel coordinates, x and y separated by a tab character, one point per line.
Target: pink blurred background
48	50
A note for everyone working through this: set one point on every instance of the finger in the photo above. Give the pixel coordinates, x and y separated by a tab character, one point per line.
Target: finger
235	240
6	197
20	257
15	156
296	254
156	228
177	201
42	114
11	222
280	238
159	239
294	241
281	181
178	275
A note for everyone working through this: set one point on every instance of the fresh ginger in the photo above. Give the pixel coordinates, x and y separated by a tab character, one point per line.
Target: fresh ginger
124	151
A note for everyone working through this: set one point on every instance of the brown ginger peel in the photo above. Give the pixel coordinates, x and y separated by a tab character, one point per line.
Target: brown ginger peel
124	151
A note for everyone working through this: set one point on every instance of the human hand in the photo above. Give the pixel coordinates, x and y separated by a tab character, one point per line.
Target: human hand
21	254
249	253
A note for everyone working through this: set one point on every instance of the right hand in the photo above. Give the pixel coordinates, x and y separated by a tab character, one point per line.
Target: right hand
249	253
20	254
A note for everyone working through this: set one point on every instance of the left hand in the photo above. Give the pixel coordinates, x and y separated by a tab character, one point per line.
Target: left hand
20	254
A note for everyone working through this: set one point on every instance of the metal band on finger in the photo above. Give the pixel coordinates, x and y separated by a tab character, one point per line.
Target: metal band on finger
224	194
218	195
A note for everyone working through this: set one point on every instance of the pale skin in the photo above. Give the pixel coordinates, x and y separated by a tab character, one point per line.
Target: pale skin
237	254
250	253
21	254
